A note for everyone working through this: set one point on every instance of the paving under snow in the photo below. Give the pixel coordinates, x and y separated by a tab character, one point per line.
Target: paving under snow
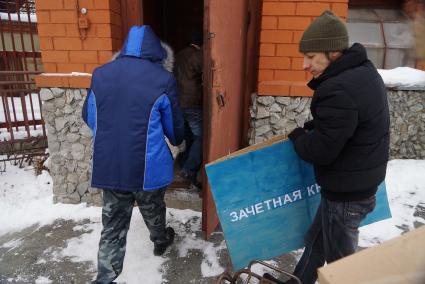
26	203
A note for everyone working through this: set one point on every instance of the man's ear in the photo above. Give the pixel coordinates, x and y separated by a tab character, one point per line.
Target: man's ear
334	55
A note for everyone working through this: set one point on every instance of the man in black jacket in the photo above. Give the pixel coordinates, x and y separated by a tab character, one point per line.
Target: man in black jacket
188	71
347	141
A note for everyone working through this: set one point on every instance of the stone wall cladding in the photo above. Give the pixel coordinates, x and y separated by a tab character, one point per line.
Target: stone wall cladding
407	109
70	140
70	146
272	116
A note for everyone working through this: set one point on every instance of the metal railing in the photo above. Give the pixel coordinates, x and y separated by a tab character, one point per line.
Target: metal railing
22	129
246	275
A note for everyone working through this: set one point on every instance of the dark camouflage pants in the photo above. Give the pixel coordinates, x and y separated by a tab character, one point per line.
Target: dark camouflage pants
116	216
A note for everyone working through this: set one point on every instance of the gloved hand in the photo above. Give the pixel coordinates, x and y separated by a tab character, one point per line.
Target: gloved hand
297	132
309	125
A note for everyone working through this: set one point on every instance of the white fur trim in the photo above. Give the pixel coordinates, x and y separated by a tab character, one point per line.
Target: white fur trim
168	62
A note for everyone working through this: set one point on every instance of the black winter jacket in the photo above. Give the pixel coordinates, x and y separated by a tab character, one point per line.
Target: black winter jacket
188	71
349	144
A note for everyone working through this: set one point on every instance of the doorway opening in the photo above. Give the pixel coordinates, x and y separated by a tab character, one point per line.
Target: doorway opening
177	23
230	53
174	21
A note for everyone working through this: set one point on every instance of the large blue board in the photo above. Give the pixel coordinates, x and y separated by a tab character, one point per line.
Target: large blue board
266	199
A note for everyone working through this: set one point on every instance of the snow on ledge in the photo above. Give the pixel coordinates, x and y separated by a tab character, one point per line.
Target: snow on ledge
66	74
398	78
403	78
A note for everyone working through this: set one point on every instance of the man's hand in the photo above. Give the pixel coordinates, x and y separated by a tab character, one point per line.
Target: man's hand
297	132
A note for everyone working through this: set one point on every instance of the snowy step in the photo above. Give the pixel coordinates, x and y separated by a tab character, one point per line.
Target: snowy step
183	198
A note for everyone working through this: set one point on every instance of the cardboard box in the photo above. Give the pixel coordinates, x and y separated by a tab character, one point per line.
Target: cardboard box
266	197
401	260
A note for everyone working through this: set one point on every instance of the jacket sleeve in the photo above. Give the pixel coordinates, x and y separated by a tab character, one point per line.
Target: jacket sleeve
335	122
309	125
89	112
197	63
171	116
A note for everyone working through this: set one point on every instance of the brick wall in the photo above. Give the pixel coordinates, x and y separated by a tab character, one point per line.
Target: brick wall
283	22
280	64
416	10
63	49
410	7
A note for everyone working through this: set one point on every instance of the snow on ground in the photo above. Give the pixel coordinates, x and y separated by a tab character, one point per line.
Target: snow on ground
405	183
27	200
42	280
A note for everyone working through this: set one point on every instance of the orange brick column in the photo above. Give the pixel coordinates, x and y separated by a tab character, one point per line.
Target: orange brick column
280	64
64	51
416	10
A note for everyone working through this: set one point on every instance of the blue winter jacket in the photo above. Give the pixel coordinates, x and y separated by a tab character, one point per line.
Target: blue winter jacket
131	106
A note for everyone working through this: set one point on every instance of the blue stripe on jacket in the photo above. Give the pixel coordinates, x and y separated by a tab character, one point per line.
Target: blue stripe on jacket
158	174
133	45
89	112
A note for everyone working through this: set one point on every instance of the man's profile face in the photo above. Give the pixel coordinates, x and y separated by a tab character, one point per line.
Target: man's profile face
315	63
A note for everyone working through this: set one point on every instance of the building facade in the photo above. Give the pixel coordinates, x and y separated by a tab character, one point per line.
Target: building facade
254	84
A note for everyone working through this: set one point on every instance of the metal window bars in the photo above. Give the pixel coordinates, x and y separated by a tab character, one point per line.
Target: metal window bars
387	35
22	129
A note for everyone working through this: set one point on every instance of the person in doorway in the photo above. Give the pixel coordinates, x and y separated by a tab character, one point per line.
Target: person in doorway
131	105
188	72
347	141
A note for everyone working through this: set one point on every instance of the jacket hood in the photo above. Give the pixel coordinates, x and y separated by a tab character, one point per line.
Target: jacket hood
354	56
142	42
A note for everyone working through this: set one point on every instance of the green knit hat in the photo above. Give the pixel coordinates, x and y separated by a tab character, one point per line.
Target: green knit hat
326	33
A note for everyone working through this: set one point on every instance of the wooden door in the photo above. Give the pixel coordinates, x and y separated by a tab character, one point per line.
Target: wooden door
226	27
230	62
131	15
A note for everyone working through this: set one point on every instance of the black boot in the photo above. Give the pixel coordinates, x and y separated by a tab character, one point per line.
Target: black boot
159	248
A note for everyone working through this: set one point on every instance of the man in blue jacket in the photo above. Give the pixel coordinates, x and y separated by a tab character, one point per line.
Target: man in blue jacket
131	107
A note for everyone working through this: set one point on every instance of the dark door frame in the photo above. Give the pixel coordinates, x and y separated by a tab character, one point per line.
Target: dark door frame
219	91
132	14
251	63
